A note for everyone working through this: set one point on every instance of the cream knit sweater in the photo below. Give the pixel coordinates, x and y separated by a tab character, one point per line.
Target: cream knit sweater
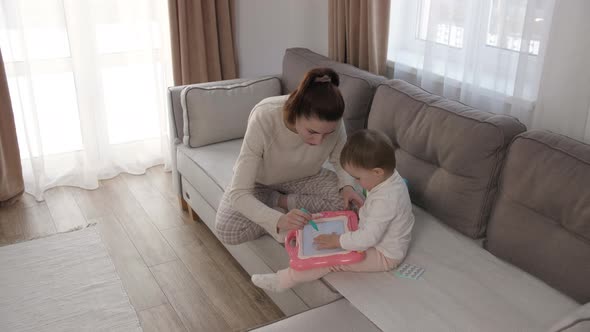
273	154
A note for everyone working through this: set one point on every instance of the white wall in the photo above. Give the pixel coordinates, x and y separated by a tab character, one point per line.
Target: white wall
265	28
563	105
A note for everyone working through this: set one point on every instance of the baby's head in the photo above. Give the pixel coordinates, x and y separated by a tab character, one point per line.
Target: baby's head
369	157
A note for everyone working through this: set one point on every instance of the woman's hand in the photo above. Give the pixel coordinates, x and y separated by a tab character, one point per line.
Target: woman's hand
294	219
351	196
327	241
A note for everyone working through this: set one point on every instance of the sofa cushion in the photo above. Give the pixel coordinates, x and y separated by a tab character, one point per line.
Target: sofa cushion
175	106
450	153
214	113
541	220
463	288
296	62
576	321
357	86
209	168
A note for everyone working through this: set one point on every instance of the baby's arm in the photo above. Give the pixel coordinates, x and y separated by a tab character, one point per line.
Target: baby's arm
373	227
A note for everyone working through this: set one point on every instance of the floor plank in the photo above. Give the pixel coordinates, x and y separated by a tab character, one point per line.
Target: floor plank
233	269
92	203
64	210
120	198
233	303
198	234
162	181
11	226
182	236
189	301
159	319
137	279
138	225
161	212
37	222
27	200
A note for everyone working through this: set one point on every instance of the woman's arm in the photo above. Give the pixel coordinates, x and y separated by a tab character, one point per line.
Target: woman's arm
244	179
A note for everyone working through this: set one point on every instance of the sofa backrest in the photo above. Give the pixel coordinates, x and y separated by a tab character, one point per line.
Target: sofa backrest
541	219
450	153
357	86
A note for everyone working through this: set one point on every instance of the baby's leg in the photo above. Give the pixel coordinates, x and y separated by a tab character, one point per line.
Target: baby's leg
374	262
289	277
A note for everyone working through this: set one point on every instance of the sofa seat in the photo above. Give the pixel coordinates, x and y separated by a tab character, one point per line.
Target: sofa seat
337	316
209	168
206	171
463	288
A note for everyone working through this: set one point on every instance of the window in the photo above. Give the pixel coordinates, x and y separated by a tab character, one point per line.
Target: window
445	18
492	45
506	20
70	64
87	83
506	25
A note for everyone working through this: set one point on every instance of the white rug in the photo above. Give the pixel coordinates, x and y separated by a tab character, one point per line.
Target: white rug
65	282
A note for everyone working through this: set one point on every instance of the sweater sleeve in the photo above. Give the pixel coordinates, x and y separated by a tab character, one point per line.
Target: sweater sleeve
244	180
372	228
344	179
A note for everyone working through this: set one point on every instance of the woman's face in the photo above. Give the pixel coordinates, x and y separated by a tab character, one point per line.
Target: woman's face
313	131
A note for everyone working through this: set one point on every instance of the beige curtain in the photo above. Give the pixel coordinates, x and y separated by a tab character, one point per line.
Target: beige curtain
11	177
202	40
359	31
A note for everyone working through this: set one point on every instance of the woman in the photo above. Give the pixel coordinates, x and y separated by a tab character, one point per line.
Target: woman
280	164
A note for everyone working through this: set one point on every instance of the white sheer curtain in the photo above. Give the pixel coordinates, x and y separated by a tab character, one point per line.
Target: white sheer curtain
485	53
87	81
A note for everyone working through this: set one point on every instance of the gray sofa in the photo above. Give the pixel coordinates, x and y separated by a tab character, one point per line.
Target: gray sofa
470	173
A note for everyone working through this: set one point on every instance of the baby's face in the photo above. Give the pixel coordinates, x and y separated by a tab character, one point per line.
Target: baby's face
367	178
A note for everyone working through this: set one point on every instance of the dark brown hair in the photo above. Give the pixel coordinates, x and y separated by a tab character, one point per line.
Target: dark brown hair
368	149
317	95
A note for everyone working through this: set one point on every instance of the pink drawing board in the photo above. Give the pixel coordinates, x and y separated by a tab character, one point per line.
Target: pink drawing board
302	260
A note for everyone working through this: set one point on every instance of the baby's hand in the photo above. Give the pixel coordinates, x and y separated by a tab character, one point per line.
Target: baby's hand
327	241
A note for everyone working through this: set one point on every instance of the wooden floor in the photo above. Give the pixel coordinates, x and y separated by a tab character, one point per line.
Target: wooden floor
176	273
